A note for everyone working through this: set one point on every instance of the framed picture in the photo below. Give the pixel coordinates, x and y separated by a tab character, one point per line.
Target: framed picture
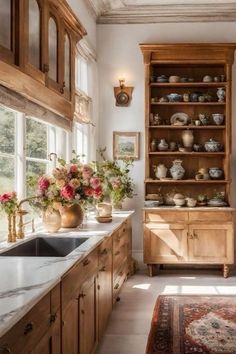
126	145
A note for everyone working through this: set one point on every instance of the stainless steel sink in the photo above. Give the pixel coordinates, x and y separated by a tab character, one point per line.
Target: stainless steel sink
45	247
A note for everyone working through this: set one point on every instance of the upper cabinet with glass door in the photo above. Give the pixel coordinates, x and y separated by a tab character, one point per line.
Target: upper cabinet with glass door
7	12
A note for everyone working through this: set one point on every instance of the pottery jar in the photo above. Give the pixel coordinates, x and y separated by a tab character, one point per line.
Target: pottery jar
212	146
218	118
163	146
191	202
177	171
153	145
186	97
160	171
188	138
216	172
220	94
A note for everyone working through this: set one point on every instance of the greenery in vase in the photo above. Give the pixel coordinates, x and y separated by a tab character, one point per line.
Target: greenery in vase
8	203
114	174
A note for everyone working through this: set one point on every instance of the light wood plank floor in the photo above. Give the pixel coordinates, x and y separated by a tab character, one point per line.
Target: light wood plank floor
129	323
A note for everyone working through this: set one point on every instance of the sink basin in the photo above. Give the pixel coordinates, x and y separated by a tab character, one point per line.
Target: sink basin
45	247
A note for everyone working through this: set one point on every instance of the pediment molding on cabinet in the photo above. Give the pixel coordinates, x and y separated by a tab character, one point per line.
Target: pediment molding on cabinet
150	11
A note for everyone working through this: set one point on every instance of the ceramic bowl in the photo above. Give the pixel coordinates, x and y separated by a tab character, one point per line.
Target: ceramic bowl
174	78
162	78
191	202
212	146
215	172
218	118
207	78
179	202
174	97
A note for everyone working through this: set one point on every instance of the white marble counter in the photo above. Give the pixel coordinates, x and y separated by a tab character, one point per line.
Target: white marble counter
25	280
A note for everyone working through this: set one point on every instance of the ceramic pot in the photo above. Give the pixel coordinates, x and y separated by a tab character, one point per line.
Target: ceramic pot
191	202
52	220
215	172
160	171
212	146
177	171
104	209
207	78
218	118
174	97
188	138
174	78
153	145
204	119
72	217
220	94
163	146
179	200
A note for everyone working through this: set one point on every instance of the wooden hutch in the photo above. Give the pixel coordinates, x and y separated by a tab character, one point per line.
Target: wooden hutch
201	234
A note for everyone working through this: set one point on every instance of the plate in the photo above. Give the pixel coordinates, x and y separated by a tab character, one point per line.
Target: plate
179	118
104	219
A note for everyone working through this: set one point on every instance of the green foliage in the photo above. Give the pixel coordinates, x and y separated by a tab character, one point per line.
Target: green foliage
36	139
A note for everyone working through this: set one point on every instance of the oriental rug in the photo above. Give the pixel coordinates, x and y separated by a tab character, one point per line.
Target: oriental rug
184	324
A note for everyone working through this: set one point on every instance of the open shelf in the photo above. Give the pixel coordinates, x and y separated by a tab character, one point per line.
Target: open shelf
188	84
192	153
201	127
188	103
185	181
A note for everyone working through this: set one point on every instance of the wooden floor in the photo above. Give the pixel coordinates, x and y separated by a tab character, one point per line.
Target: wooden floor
129	324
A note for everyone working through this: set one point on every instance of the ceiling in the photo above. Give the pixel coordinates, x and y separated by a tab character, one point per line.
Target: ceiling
153	11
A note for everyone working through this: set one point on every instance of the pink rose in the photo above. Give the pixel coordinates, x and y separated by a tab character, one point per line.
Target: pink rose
116	183
68	192
43	183
88	191
73	168
87	171
95	182
5	197
97	192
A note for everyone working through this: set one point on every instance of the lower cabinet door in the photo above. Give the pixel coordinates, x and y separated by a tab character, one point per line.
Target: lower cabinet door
88	316
211	243
70	328
51	342
104	297
165	243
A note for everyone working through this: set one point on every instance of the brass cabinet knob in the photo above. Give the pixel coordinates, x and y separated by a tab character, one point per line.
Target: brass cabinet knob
53	318
5	350
28	328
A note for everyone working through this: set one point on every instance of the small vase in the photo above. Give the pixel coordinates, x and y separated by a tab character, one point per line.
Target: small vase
52	220
163	146
177	171
160	171
188	138
72	216
220	94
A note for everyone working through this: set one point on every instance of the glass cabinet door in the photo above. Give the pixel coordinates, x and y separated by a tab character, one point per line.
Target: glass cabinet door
34	34
6	29
53	49
67	65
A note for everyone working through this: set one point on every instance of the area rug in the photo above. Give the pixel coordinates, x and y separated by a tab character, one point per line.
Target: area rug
186	324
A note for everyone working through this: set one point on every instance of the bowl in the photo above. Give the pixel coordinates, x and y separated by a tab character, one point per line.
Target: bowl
174	78
179	202
174	97
216	172
191	202
218	118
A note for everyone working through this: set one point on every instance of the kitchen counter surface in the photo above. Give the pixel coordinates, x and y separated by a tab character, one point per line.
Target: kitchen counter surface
25	280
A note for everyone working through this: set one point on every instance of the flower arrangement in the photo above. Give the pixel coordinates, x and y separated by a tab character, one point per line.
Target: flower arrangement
114	174
72	183
8	203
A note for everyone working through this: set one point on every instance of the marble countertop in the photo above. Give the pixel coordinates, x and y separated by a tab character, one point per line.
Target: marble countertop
25	280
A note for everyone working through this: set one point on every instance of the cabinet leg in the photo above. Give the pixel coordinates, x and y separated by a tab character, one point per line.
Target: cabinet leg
226	270
151	270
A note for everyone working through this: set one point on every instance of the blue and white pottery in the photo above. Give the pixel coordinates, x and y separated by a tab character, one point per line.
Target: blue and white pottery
215	172
218	118
213	146
220	94
174	97
177	171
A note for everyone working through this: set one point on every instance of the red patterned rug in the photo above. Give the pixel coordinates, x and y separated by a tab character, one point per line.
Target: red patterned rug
185	324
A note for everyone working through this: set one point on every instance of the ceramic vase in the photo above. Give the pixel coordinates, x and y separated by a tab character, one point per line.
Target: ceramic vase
163	146
161	171
188	138
220	94
177	171
72	216
52	220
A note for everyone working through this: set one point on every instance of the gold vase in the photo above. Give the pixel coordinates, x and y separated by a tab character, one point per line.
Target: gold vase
52	220
71	217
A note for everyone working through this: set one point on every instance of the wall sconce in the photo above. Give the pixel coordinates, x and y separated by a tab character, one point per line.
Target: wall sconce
123	94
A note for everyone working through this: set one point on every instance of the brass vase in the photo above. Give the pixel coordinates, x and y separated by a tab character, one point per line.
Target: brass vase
72	217
52	220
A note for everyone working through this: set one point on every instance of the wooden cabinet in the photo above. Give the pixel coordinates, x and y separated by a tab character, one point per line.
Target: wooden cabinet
199	237
7	30
104	285
35	331
70	327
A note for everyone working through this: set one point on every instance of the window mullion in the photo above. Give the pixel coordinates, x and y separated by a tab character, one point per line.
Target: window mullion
20	161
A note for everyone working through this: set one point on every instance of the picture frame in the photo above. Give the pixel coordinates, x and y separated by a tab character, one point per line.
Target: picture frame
126	145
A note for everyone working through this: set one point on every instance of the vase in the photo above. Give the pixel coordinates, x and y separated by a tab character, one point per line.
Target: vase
52	220
72	216
163	146
220	94
160	171
188	138
177	171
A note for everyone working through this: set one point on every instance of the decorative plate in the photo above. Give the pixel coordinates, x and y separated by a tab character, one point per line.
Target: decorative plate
179	118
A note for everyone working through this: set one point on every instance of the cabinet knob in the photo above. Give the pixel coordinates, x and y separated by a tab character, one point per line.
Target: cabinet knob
103	252
45	68
62	90
53	318
5	350
86	262
190	236
28	328
117	253
103	269
116	286
195	235
82	295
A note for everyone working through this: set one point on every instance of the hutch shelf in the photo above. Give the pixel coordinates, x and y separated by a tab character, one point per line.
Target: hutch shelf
187	80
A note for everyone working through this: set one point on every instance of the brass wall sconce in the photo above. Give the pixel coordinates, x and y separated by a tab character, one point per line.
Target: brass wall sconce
123	94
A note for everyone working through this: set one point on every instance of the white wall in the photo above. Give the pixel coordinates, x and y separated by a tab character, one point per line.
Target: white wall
119	53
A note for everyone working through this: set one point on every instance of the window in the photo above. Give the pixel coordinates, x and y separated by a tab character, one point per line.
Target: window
81	74
81	135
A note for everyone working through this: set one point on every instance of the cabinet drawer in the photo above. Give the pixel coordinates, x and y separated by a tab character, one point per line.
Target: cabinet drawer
105	252
74	278
216	216
119	280
28	331
119	257
120	238
166	216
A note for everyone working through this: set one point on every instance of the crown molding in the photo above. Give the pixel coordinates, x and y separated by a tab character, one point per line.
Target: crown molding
154	11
